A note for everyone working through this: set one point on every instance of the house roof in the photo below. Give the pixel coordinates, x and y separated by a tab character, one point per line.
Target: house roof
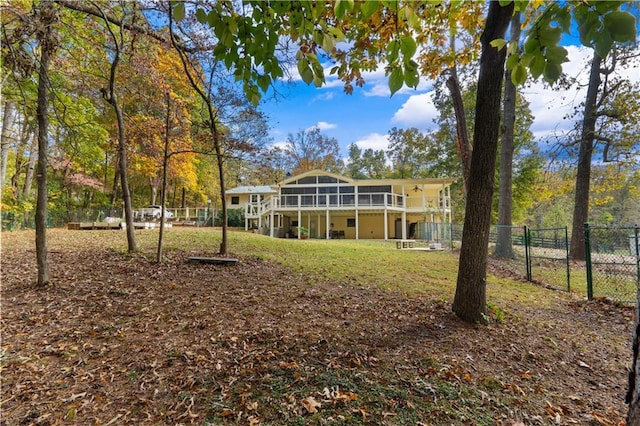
316	172
420	181
261	189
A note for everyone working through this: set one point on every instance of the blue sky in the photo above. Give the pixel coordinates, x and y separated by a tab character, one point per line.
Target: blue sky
366	116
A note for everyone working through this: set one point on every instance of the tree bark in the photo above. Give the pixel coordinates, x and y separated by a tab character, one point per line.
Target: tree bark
465	150
504	246
28	178
47	18
8	119
470	299
583	174
633	392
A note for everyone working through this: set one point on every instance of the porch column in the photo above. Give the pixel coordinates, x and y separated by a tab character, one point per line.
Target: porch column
299	221
271	224
386	224
404	225
449	202
327	225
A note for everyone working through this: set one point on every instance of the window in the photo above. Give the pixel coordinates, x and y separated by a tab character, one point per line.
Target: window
235	200
327	179
351	222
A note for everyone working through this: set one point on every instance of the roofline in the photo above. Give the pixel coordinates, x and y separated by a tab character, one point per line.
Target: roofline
315	172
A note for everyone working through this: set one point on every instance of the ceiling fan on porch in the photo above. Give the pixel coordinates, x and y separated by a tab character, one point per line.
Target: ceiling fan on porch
416	188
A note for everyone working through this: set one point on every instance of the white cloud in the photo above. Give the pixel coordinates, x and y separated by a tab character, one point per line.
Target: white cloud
418	111
375	141
322	125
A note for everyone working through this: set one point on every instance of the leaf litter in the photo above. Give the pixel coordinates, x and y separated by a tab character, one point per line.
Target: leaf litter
119	339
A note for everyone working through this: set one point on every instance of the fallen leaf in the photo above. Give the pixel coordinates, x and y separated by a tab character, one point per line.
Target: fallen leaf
310	404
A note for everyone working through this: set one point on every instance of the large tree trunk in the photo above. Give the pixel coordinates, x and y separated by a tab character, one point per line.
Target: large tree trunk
47	18
8	119
470	298
633	392
583	175
504	246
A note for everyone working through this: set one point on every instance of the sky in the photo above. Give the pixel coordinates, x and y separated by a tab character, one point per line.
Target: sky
366	116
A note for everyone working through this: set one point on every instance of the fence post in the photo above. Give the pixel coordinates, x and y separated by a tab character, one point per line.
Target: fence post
587	246
527	257
566	246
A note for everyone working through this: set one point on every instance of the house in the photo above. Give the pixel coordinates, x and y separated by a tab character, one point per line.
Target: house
334	206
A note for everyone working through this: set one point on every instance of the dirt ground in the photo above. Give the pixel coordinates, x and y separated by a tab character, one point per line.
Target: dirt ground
119	339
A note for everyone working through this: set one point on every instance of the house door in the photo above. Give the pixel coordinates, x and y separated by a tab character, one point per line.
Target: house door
398	228
312	228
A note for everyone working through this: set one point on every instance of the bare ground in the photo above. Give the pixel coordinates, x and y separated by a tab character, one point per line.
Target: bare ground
118	339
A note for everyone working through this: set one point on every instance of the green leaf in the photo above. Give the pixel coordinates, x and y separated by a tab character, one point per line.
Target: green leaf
178	11
550	36
408	46
341	8
498	43
305	70
537	66
392	51
368	8
557	54
213	19
411	77
621	26
336	33
263	82
328	43
519	75
512	61
552	72
604	44
396	80
588	29
201	15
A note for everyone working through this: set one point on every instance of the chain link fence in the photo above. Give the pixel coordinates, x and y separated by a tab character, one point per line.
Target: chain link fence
547	257
612	262
15	221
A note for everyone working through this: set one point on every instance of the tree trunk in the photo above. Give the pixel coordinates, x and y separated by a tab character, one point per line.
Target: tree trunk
8	119
47	18
165	166
633	393
124	180
111	97
465	149
470	298
583	175
28	179
504	246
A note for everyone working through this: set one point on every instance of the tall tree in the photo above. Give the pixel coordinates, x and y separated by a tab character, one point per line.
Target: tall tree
47	17
470	298
610	105
110	96
367	163
310	149
504	247
408	150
